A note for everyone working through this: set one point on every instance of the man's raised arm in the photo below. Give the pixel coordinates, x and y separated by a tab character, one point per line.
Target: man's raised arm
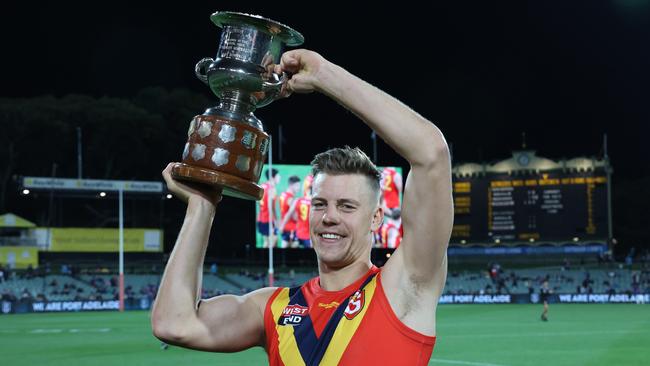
427	211
222	324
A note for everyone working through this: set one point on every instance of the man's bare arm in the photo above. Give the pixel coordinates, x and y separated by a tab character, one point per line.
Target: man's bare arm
224	323
427	211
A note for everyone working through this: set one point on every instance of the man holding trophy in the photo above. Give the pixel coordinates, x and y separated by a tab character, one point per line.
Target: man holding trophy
354	312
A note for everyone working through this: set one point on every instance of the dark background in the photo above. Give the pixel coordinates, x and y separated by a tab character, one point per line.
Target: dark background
565	73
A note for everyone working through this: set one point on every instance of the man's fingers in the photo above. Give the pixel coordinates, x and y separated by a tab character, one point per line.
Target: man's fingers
169	180
166	174
285	92
184	189
167	168
289	58
289	62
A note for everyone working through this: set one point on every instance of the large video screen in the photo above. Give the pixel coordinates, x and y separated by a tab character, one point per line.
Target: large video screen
289	209
531	208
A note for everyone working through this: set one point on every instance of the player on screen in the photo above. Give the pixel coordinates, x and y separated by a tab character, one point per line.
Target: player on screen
353	313
306	185
303	205
299	211
288	230
391	186
391	236
376	234
266	216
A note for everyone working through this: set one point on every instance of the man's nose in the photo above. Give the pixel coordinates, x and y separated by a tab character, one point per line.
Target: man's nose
331	215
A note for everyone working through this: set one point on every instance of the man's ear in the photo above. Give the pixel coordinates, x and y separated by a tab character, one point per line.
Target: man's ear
377	219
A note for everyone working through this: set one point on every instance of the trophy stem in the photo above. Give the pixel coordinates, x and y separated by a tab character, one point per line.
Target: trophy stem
236	101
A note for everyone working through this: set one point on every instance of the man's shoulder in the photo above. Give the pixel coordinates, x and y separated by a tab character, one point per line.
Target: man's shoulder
263	295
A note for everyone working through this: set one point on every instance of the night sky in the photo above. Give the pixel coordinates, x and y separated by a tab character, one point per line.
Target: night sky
563	72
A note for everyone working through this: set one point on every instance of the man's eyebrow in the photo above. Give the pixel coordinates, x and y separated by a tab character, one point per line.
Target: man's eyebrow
339	201
348	200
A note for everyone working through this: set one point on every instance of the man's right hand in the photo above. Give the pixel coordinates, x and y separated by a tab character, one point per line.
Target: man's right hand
304	68
187	191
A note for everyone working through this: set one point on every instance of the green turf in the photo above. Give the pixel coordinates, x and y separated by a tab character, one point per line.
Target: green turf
469	335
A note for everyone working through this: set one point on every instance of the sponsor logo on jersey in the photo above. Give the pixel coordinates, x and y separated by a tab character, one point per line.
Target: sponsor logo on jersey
355	305
293	314
331	305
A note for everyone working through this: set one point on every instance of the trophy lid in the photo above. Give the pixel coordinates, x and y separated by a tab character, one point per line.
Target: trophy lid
288	35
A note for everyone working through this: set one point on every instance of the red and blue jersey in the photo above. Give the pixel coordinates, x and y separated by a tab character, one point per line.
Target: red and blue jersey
355	326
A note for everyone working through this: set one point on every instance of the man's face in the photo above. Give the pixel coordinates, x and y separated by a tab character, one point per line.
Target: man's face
344	211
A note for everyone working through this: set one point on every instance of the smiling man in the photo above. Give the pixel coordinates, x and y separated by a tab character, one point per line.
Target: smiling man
353	313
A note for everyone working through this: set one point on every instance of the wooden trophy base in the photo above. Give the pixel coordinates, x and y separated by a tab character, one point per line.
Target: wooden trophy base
232	186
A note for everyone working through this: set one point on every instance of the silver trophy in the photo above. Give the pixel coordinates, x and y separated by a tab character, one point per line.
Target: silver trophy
226	145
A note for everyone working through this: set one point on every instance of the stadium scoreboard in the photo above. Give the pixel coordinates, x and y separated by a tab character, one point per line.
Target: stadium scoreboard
553	206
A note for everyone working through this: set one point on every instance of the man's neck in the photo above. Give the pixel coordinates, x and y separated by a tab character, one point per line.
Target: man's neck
336	279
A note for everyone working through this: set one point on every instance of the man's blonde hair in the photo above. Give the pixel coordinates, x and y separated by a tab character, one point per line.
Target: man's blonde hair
347	160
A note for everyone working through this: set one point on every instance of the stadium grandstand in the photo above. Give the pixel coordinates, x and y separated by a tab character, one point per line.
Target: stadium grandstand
95	282
496	255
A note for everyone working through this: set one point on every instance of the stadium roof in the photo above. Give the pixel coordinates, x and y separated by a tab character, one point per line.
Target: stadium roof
526	161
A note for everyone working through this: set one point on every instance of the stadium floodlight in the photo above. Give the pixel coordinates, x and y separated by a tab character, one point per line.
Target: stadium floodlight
102	194
169	196
497	241
532	240
576	239
25	191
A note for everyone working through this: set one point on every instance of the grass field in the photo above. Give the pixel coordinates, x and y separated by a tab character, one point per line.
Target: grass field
469	335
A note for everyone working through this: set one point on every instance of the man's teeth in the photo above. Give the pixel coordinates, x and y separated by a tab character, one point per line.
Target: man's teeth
331	236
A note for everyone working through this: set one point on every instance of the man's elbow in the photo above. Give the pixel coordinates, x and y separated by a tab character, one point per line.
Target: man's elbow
435	155
440	152
168	332
159	328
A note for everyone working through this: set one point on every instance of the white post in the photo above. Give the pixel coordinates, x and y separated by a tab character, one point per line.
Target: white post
271	212
608	172
121	199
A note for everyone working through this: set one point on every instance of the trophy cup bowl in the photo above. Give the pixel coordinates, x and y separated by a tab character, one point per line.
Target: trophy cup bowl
227	144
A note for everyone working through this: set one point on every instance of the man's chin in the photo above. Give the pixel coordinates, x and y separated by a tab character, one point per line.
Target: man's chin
332	258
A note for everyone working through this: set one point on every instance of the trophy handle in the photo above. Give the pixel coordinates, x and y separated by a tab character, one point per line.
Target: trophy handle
201	69
275	86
